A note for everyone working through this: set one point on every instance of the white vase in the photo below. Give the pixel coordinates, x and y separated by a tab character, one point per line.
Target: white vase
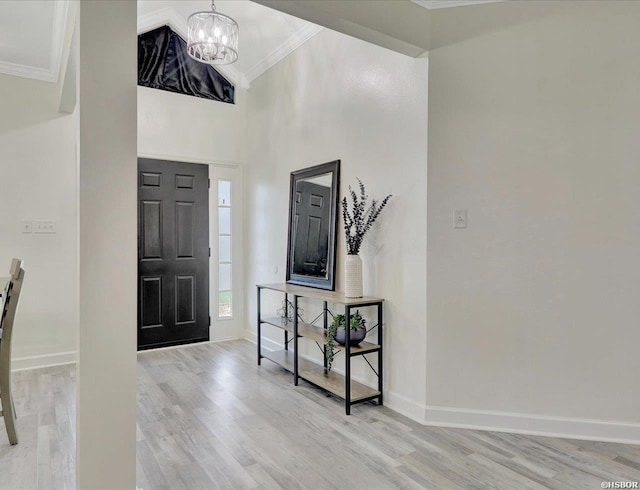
353	277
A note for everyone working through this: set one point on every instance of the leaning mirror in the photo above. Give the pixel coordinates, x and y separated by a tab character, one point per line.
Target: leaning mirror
313	205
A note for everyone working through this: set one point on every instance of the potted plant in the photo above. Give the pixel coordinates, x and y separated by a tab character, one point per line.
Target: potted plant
336	333
357	221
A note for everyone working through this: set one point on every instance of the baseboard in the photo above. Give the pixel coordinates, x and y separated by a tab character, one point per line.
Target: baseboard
541	425
47	360
185	346
250	335
396	402
404	406
516	423
225	339
268	344
62	358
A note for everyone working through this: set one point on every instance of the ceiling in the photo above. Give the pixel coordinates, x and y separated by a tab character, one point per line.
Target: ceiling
410	27
32	32
31	38
441	4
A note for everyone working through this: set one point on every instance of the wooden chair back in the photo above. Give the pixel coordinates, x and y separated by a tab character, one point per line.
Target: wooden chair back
10	298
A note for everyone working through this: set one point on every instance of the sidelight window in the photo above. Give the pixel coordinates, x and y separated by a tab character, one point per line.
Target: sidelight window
225	256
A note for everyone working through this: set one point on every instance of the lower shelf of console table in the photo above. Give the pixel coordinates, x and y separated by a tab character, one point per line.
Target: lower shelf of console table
342	386
314	373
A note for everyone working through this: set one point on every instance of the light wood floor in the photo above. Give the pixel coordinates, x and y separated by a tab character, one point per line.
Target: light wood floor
208	417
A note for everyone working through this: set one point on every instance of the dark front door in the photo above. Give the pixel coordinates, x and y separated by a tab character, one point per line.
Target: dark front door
311	229
173	253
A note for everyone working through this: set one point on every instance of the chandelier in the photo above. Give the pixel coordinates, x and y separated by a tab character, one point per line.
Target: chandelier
212	37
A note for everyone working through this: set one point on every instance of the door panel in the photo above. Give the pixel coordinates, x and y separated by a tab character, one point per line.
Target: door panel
185	299
151	224
173	253
150	179
151	302
185	229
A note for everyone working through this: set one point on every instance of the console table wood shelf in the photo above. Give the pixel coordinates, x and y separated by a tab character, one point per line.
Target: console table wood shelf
317	374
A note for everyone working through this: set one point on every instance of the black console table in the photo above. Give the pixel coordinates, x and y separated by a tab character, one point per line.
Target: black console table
344	387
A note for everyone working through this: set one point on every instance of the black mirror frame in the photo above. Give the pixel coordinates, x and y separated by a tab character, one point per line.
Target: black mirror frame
330	282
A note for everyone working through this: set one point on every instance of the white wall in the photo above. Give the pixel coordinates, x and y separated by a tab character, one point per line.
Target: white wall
182	127
190	129
366	106
38	181
533	309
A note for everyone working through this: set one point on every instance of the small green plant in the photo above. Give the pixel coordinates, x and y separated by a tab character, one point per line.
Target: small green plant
357	322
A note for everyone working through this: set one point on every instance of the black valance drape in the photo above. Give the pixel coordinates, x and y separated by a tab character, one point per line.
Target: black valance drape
163	63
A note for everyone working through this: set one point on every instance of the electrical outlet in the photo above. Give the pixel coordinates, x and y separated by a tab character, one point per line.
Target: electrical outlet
44	227
51	226
460	218
27	227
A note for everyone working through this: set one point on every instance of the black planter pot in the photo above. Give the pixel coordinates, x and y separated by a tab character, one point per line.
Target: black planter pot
356	336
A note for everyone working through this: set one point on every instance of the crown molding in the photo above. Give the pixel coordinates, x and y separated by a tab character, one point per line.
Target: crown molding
234	76
162	17
26	71
441	4
282	51
60	14
52	72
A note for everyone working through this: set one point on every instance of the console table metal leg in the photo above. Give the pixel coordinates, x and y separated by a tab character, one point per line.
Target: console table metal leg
324	347
380	353
347	360
295	340
286	314
259	336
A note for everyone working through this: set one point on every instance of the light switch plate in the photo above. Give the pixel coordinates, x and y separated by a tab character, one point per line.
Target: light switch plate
27	227
460	218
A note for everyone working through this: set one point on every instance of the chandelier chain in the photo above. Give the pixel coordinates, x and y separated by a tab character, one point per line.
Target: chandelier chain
213	5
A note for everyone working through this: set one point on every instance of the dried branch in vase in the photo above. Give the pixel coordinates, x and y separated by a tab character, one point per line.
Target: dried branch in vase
360	218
